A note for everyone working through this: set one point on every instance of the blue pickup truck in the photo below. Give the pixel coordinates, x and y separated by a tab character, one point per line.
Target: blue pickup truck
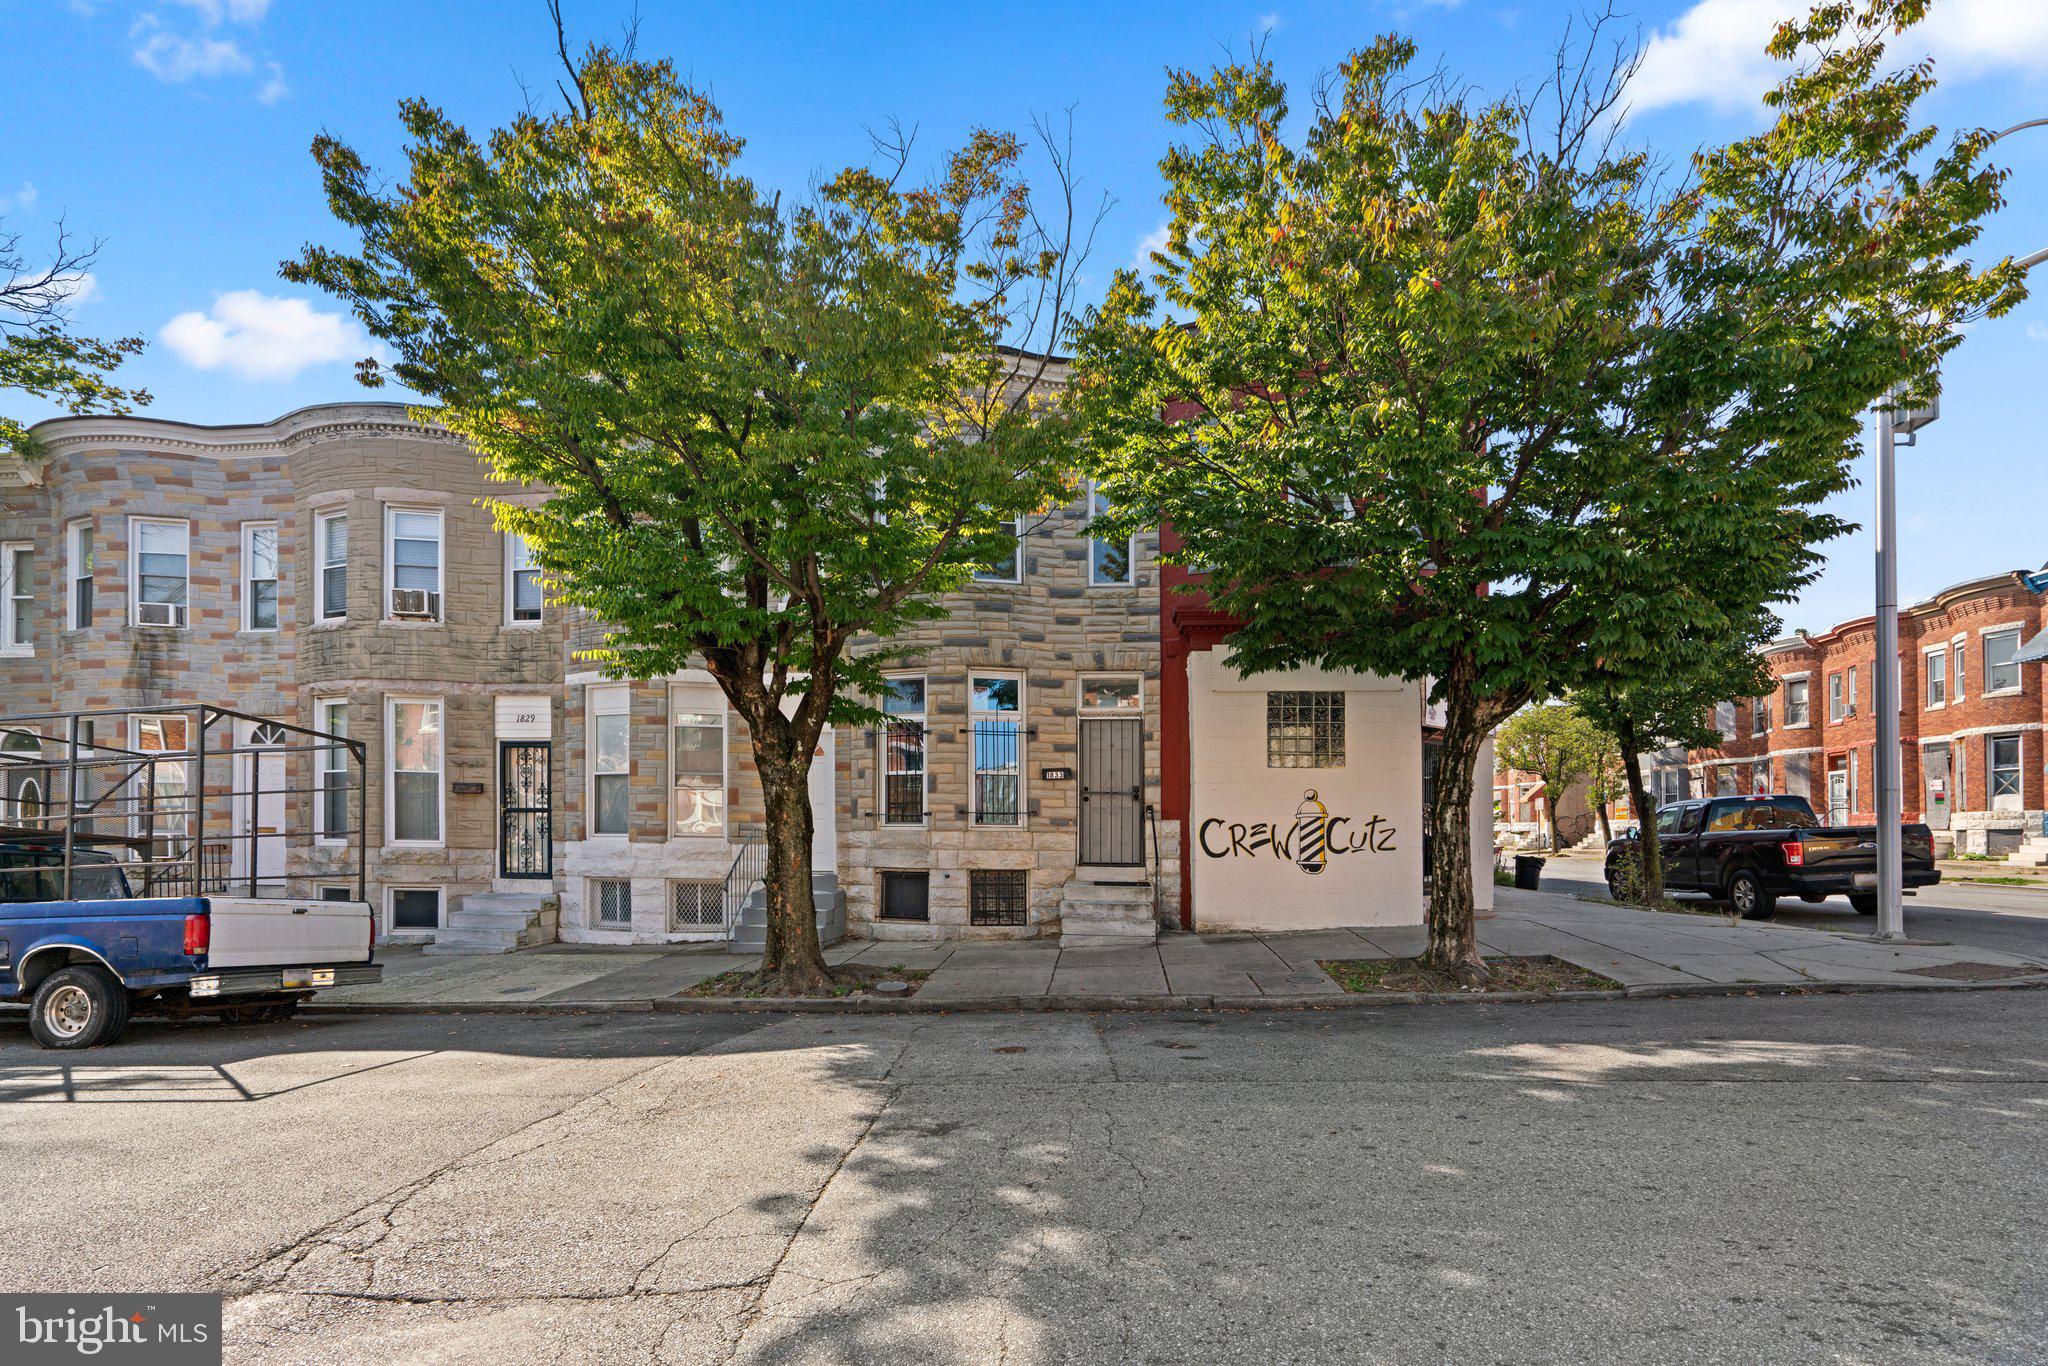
98	920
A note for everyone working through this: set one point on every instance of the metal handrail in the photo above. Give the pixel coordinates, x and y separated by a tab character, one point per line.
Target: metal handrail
749	867
1152	819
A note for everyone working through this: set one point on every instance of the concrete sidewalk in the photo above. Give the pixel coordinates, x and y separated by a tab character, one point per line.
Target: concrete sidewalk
1649	953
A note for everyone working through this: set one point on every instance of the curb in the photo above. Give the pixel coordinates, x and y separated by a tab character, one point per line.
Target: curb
837	1005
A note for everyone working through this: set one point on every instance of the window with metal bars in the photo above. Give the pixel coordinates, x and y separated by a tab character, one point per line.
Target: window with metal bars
996	896
611	903
696	905
1304	730
996	705
903	753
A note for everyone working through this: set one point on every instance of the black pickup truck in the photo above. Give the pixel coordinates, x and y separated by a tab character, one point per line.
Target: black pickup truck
1752	850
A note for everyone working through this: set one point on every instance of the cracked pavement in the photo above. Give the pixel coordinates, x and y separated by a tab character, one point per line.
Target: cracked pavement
1852	1179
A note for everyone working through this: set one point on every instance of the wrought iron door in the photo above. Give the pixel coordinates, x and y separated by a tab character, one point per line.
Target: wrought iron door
1112	792
526	826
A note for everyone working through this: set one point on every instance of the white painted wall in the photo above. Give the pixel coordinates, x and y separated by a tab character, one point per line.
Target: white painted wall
1230	785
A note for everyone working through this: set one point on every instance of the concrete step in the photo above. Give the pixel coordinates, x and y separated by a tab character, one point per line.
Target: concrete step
1103	914
1095	894
2032	853
752	930
505	901
1107	935
1107	910
491	922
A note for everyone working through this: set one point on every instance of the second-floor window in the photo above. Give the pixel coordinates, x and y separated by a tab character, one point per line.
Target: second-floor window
1837	706
2001	662
522	580
17	601
1852	690
1760	716
1008	568
1109	562
1955	674
331	536
1937	678
903	742
161	556
259	576
1795	701
78	574
412	558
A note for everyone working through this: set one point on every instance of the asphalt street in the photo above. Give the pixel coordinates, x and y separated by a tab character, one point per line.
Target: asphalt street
1987	915
1834	1178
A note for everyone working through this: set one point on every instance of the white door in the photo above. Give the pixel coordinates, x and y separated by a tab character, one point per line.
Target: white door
1838	796
259	804
824	807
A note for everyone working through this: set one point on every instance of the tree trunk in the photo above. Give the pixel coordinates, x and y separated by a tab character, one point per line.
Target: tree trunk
1650	853
1556	840
1453	942
794	958
1606	825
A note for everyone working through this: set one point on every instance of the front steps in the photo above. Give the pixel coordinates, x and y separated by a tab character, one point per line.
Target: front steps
751	932
1106	914
2032	853
493	922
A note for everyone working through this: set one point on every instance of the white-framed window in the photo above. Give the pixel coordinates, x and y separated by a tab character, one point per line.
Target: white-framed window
1112	694
1852	690
413	909
1955	673
2002	771
416	756
333	814
696	759
1837	699
2001	662
1724	719
162	786
1110	563
611	760
903	752
1010	568
1760	716
259	576
78	574
611	903
413	580
1795	702
330	537
995	719
17	599
337	891
522	582
1937	677
160	570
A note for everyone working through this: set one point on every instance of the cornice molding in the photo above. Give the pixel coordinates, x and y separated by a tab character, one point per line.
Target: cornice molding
302	427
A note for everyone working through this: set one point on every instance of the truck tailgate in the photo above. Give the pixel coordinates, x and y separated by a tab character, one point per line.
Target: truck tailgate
264	933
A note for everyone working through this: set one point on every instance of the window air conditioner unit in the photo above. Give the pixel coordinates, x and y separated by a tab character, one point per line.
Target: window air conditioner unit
160	613
416	602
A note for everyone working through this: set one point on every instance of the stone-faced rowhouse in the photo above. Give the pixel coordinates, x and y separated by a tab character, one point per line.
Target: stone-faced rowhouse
1039	773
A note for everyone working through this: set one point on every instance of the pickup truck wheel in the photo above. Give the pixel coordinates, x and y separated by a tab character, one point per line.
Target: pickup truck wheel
1747	895
78	1007
1863	903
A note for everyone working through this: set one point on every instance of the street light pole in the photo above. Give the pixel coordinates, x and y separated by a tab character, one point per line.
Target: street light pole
1891	913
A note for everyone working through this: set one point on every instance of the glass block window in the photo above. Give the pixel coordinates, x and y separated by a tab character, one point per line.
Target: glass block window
996	896
696	905
1304	730
906	896
611	903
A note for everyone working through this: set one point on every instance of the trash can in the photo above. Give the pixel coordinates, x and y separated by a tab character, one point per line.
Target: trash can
1528	868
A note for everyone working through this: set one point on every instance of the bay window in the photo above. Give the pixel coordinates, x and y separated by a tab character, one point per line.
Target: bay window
2001	662
78	574
412	559
17	601
331	534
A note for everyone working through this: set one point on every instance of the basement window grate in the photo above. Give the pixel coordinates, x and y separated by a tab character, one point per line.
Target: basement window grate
612	904
696	905
996	896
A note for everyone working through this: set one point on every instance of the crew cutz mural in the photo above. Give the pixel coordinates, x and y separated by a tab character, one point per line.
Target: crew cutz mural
1309	841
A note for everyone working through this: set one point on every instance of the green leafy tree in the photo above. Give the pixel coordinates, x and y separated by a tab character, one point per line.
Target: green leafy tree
1675	706
39	353
1464	390
772	433
1554	741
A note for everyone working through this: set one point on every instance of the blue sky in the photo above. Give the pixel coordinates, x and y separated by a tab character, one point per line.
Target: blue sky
177	131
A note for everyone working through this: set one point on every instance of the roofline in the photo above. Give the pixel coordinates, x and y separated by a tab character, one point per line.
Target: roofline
312	422
2030	580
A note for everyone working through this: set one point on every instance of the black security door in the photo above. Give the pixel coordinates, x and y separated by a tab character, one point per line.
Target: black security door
526	837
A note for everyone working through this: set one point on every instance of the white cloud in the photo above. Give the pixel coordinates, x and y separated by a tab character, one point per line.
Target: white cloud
274	87
212	12
1713	54
80	288
175	57
2037	331
259	336
1152	241
23	198
1268	22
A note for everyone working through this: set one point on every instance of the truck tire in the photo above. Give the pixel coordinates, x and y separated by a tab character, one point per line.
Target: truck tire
1863	903
78	1007
1813	898
1747	895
